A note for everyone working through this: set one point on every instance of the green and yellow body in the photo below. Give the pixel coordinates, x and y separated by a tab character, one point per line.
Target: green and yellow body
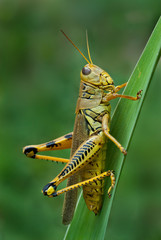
91	116
88	143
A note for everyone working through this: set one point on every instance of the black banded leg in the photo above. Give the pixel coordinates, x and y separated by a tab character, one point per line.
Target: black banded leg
63	142
83	155
80	184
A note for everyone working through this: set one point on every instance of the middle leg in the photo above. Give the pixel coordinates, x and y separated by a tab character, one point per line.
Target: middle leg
105	127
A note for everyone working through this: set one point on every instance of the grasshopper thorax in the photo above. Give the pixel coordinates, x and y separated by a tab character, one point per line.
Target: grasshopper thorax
96	76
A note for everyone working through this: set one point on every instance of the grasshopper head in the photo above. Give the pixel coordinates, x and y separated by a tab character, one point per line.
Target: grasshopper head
93	74
96	76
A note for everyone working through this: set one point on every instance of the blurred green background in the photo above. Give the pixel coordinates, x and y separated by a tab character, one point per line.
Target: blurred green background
39	72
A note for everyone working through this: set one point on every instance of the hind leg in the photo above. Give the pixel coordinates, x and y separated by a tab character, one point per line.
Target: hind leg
63	142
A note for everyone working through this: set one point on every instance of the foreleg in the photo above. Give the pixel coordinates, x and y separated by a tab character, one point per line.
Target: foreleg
109	96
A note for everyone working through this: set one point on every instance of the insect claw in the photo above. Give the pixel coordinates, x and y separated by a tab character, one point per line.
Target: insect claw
124	151
139	94
109	195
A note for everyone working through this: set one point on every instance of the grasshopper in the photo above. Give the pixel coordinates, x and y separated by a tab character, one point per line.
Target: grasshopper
86	166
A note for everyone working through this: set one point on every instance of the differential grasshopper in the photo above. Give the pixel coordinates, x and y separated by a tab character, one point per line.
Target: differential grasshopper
87	142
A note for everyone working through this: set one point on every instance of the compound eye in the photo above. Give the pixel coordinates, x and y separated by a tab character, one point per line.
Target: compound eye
86	71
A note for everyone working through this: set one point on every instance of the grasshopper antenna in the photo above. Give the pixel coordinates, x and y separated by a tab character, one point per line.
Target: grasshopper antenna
89	55
76	47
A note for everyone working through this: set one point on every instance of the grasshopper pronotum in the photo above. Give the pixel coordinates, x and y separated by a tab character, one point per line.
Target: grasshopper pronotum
87	142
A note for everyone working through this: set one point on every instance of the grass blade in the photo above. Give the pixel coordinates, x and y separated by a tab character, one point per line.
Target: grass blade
85	224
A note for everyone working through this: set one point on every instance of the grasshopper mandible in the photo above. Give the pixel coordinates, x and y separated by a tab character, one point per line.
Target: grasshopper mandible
87	142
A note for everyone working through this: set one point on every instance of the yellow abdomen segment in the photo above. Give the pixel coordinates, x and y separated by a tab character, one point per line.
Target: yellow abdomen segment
93	192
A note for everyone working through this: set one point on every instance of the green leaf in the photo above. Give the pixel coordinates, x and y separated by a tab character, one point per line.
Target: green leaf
85	224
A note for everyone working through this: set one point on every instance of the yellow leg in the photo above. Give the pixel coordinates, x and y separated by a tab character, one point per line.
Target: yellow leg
63	142
105	128
117	88
83	155
84	183
111	96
